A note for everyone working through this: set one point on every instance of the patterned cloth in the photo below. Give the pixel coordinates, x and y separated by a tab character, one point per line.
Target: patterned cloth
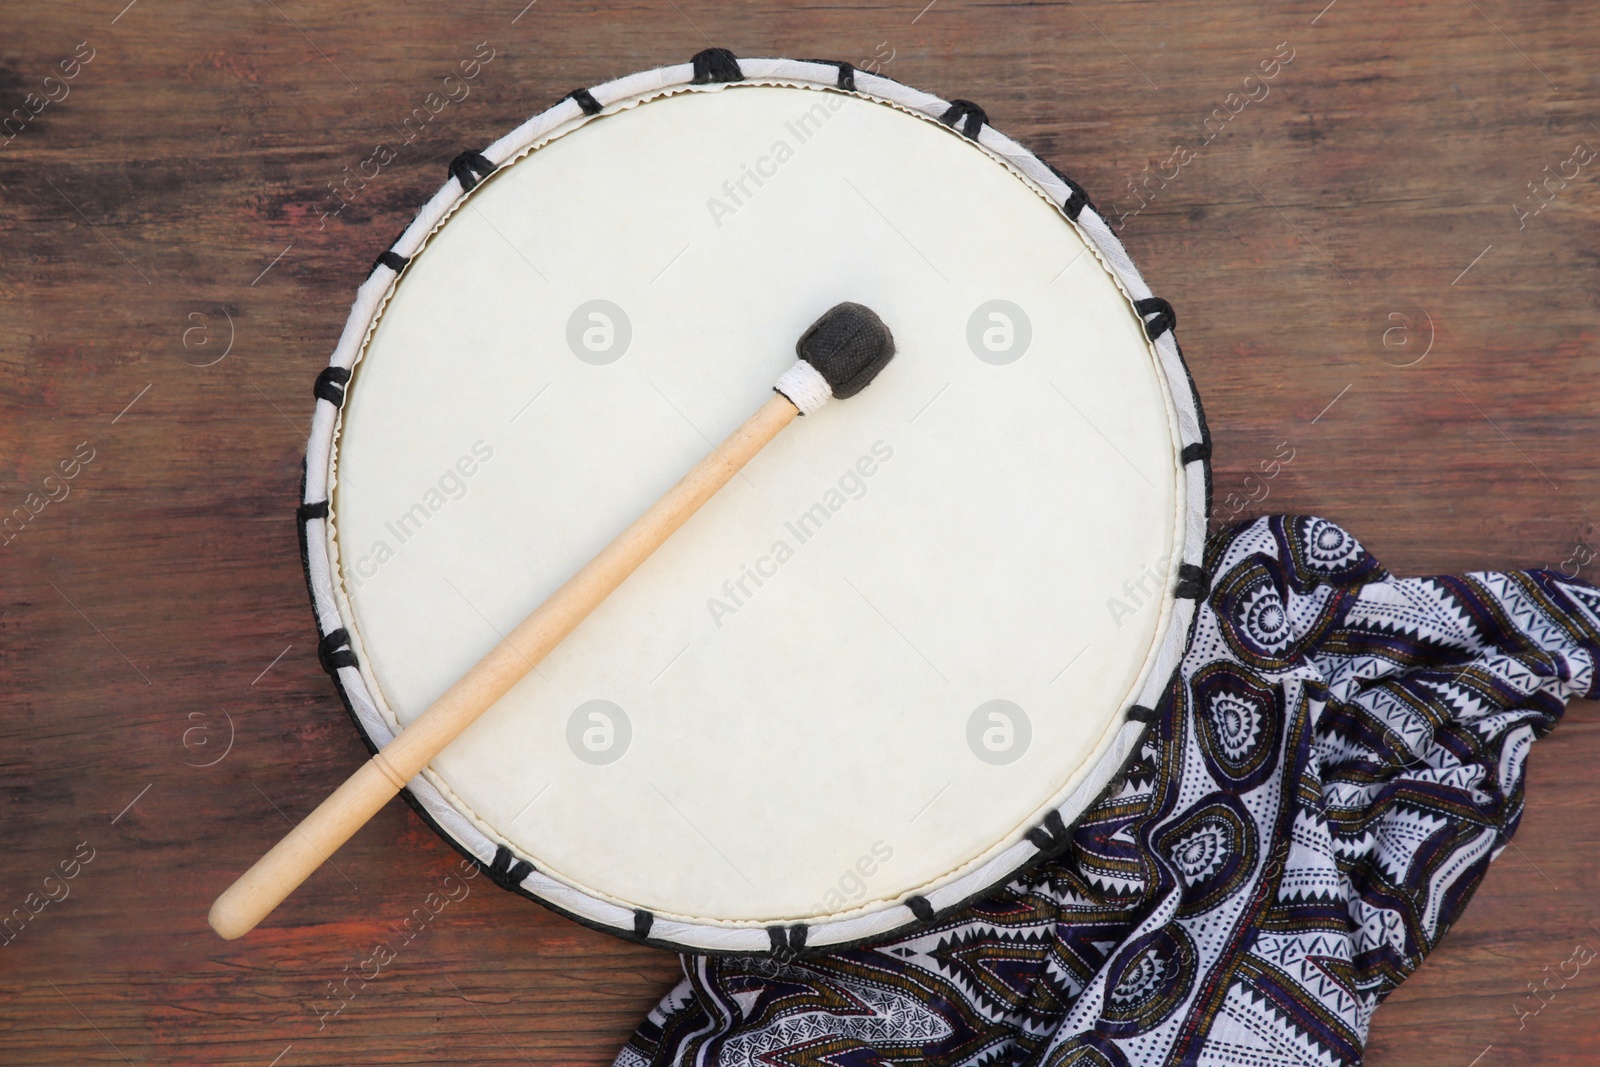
1337	761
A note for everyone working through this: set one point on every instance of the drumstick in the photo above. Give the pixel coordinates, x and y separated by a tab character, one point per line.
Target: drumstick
839	355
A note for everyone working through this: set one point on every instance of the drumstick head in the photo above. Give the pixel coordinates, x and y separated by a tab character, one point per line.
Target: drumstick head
848	346
839	354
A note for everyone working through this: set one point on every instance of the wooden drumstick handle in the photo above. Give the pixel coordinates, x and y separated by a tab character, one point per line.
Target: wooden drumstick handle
839	355
278	873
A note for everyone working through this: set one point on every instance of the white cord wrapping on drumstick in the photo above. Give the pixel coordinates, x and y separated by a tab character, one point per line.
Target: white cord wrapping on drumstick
843	351
805	387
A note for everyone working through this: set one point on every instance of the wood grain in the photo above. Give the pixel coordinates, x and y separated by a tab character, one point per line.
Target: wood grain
178	195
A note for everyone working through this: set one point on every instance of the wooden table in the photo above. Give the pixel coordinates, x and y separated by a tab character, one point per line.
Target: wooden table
176	265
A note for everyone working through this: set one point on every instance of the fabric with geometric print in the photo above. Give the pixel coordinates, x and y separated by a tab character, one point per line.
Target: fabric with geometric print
1339	758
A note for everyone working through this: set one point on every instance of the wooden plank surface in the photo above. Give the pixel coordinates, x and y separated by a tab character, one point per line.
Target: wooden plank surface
176	263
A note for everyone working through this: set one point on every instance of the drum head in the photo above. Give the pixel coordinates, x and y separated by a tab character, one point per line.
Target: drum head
881	670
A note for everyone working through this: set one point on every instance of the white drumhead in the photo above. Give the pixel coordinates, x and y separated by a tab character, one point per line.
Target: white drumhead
908	632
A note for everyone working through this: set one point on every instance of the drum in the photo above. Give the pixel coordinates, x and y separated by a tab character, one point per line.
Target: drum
885	668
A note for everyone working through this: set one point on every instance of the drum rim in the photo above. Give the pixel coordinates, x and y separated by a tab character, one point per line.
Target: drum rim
709	71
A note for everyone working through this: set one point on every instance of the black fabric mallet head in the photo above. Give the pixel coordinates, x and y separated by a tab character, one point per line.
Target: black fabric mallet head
839	354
